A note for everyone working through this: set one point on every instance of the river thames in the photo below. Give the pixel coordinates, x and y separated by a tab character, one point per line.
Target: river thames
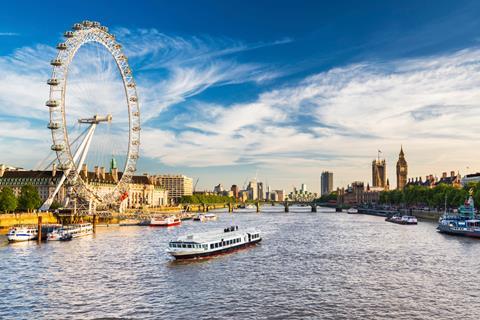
323	265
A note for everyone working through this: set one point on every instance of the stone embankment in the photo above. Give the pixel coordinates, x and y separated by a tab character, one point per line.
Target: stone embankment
11	219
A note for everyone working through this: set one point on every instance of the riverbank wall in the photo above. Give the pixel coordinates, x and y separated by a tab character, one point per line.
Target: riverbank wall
10	219
424	215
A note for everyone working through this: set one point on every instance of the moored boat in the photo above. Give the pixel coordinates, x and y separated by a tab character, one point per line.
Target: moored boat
464	223
210	217
165	221
352	210
199	217
22	233
409	220
212	243
75	230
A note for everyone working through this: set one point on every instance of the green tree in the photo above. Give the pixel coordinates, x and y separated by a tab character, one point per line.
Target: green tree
29	198
8	200
55	205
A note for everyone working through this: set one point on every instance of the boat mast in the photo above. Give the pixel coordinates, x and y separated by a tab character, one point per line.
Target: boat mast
445	210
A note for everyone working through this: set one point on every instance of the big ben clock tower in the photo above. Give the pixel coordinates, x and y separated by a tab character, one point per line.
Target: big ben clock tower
402	170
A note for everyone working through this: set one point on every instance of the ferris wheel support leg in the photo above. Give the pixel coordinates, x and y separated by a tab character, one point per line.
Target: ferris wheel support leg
80	151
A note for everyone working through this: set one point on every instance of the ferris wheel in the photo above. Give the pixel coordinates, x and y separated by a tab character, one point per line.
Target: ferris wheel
71	152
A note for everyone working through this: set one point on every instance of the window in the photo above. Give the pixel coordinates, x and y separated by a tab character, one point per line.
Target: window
211	246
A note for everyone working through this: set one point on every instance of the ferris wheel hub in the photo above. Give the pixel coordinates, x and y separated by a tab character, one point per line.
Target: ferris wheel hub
96	119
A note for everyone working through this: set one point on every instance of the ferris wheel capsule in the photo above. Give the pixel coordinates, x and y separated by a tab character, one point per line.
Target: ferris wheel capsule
53	125
52	103
56	62
77	26
61	46
57	147
68	34
52	82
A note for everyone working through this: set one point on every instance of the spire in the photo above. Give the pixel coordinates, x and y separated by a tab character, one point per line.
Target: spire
401	151
113	164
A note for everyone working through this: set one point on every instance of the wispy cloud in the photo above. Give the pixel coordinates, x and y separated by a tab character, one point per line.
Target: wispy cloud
9	34
339	118
167	69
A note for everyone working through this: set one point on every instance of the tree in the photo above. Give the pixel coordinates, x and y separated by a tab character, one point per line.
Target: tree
55	205
29	198
8	200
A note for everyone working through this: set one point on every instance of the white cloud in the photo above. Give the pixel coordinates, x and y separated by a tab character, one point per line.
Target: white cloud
339	118
167	70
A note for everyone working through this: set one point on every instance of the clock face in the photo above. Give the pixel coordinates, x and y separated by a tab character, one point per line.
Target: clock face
403	169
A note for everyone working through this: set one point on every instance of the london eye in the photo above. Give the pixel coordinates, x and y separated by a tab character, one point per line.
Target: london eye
85	125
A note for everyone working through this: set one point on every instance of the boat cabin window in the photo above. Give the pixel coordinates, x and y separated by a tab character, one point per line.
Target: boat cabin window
211	246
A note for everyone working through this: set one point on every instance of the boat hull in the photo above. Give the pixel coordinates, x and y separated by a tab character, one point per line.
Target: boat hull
217	252
172	224
461	233
21	238
401	222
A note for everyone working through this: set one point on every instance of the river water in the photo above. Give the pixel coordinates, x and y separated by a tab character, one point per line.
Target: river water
323	265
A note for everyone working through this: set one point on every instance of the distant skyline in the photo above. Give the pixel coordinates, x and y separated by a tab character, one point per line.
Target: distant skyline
280	91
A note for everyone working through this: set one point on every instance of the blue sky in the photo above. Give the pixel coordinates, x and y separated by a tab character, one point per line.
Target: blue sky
280	90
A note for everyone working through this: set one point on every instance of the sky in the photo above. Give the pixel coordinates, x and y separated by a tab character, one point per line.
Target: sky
277	90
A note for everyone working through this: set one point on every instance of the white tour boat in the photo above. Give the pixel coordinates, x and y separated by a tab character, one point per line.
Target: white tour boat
22	233
70	231
212	243
165	221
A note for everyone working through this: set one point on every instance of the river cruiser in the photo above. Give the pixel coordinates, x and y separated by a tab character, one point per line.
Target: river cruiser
165	221
402	219
212	243
465	223
22	233
75	230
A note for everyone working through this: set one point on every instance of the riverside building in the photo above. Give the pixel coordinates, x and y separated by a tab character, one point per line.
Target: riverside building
176	185
326	183
142	190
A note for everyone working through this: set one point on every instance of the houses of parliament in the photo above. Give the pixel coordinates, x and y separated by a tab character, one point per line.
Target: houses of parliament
379	172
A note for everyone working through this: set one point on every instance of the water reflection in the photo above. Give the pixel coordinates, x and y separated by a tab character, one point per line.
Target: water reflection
309	265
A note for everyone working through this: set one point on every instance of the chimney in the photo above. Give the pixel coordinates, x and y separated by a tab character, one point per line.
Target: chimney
115	174
85	170
452	174
444	175
54	170
2	170
97	172
431	177
102	172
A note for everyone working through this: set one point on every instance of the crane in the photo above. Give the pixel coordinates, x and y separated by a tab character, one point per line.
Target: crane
195	185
